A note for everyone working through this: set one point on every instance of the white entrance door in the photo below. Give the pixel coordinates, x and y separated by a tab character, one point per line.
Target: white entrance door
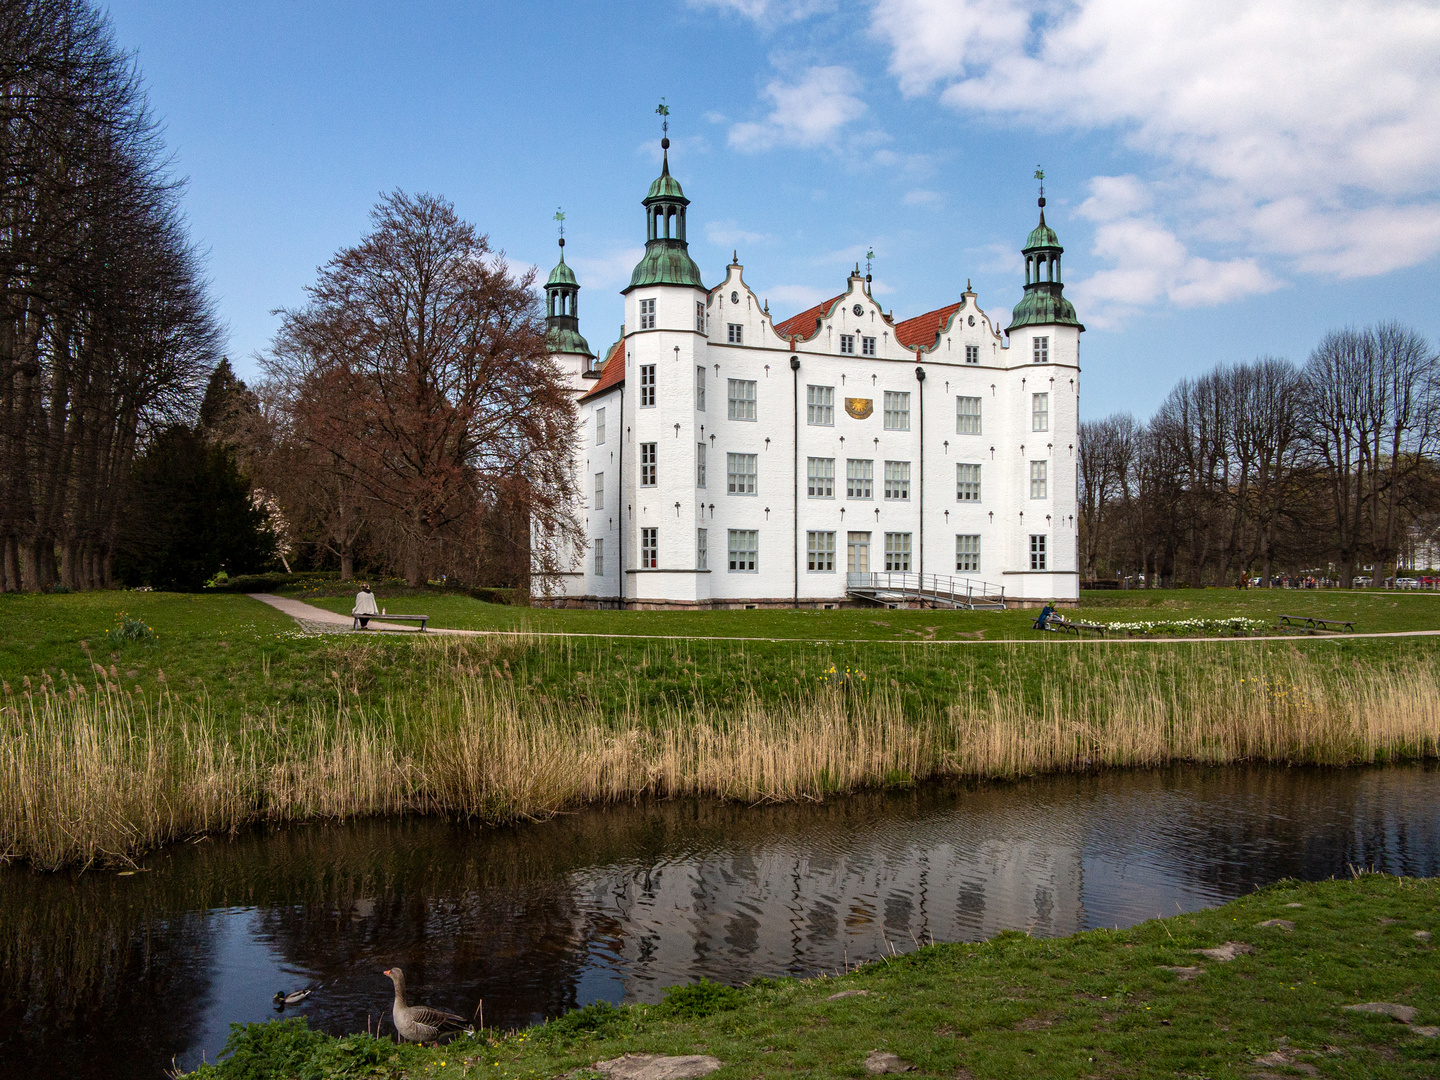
857	553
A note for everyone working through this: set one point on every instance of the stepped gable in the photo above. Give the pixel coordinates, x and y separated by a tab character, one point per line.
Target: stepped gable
921	331
803	326
612	373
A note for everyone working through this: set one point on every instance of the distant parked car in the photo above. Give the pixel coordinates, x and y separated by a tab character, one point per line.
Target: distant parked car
1362	582
1406	583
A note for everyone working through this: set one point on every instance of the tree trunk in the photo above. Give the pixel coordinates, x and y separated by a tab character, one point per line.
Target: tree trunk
347	566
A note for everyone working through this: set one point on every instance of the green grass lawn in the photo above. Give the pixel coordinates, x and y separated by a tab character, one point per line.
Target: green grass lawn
246	657
1099	1004
1371	611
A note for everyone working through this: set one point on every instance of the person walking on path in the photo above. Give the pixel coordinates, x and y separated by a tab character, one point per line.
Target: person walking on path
365	605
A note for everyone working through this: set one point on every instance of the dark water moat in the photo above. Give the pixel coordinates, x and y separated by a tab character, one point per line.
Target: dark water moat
103	975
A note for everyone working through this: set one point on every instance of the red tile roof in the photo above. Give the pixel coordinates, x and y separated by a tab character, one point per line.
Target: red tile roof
921	331
612	371
803	325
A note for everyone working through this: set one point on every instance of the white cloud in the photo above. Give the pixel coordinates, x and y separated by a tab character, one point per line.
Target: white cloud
931	199
798	297
729	234
610	270
1302	131
807	112
1150	263
767	11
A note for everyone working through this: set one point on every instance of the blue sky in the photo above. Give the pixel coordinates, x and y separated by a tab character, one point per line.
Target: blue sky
1229	179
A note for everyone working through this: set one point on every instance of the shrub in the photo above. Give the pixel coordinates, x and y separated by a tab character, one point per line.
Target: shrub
597	1019
282	1049
699	1000
128	631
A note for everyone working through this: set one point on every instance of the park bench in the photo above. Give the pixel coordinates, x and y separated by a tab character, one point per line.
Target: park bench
421	619
1067	626
1312	623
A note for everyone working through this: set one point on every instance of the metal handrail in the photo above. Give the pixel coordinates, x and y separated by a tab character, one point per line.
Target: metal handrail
957	591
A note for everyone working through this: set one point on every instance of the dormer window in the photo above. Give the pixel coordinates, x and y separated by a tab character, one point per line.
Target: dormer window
647	314
735	333
867	346
972	354
847	344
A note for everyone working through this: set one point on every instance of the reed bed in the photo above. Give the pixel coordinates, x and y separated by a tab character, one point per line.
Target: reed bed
92	773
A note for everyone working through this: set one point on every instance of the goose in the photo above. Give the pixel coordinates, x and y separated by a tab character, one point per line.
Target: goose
419	1023
294	997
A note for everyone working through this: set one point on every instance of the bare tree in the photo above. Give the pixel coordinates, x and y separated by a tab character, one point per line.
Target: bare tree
419	366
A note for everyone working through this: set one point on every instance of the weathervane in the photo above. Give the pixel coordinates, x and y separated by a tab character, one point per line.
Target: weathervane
663	110
560	217
869	254
1040	175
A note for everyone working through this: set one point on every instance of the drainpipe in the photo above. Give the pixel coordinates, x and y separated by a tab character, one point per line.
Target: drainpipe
620	481
795	471
920	378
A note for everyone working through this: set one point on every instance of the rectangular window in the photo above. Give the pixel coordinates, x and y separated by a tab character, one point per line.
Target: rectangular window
600	556
647	314
897	411
735	334
972	354
740	474
857	553
699	316
897	551
867	346
967	416
649	548
967	554
647	385
744	551
648	464
847	344
859	478
1040	349
1039	479
599	491
702	549
897	480
1039	412
1037	551
700	388
820	477
820	406
699	464
967	483
742	399
820	552
599	427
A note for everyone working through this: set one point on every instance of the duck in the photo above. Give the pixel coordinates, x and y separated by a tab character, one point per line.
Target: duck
419	1023
294	997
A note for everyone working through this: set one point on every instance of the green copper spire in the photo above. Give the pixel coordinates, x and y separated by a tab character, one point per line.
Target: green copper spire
667	255
562	320
1043	303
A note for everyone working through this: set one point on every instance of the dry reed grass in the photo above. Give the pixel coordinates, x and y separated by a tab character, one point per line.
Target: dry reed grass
96	774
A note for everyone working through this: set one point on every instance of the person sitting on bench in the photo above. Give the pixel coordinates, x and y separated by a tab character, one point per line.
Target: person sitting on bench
1044	618
365	605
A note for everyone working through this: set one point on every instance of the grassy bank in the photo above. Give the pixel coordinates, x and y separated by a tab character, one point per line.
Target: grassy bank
97	768
1099	1004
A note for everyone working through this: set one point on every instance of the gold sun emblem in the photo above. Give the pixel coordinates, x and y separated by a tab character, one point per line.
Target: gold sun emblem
859	407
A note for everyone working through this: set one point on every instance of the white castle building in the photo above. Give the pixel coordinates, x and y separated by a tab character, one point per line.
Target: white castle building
837	456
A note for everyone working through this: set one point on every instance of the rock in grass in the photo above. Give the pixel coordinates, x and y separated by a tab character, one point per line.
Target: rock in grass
1294	905
1426	1030
848	993
1404	1013
1227	952
882	1061
657	1066
1184	974
1421	935
1282	924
